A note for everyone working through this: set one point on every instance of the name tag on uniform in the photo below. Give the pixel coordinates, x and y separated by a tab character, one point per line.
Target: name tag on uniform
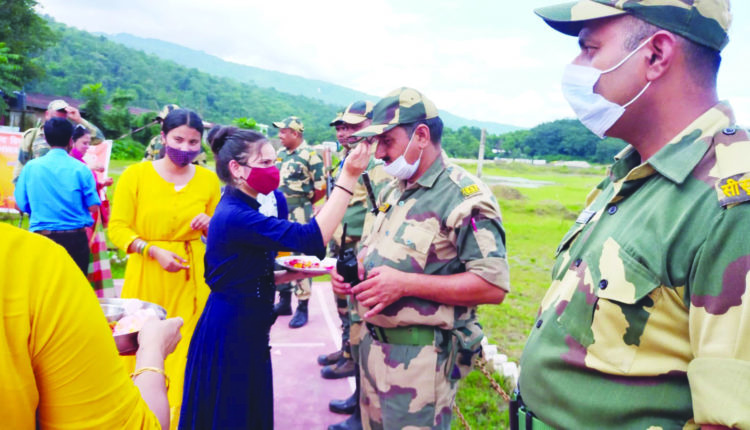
585	216
470	190
384	207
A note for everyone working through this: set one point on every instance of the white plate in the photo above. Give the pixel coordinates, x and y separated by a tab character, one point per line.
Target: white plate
319	267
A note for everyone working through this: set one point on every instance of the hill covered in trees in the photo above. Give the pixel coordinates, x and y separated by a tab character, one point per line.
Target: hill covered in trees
79	59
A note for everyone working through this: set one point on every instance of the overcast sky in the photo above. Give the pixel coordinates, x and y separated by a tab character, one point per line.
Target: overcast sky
490	60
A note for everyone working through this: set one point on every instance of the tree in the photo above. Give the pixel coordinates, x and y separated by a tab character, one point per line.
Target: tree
118	119
245	123
24	33
9	74
93	107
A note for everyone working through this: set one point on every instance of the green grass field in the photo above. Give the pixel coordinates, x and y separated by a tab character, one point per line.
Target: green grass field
534	219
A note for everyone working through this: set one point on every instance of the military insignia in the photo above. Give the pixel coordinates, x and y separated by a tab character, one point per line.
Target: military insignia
278	159
384	207
470	190
585	216
734	189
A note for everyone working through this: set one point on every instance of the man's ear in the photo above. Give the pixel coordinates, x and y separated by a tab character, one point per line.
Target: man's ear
422	136
663	48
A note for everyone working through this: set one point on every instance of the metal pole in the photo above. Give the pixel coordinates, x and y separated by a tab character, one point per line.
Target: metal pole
481	152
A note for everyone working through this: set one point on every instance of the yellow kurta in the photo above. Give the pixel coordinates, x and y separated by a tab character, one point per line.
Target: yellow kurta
58	359
148	207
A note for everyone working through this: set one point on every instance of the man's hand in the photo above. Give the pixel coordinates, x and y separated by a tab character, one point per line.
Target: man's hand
200	222
73	114
339	286
383	286
168	260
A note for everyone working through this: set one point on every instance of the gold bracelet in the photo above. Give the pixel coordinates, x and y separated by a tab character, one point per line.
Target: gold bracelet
146	249
150	369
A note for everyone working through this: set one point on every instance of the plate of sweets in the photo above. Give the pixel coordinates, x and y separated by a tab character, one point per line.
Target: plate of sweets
126	317
307	264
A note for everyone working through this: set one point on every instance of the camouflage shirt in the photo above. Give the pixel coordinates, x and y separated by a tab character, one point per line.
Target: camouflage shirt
646	323
34	145
447	222
358	217
301	172
154	152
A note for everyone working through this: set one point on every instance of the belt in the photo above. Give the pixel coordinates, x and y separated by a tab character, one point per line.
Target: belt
417	335
48	232
523	419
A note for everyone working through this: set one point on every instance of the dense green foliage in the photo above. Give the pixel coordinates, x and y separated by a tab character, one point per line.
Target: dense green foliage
82	59
22	33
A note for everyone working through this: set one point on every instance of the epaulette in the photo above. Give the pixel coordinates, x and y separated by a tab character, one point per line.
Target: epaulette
733	187
466	182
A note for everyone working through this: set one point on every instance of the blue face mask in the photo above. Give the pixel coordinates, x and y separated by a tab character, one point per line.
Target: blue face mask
400	168
593	110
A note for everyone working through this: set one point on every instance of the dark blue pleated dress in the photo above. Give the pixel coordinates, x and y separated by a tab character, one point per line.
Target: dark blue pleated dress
228	380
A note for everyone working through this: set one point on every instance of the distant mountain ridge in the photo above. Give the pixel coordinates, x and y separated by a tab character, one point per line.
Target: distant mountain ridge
296	85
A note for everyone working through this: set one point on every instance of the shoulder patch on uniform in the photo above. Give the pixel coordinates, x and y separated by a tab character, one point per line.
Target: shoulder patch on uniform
734	189
384	207
470	190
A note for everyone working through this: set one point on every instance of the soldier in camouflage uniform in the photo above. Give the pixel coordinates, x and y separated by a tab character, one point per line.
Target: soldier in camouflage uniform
34	145
435	252
303	184
155	148
358	220
647	321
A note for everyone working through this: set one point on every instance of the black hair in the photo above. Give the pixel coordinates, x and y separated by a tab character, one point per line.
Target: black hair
57	132
230	143
79	131
703	61
179	117
434	124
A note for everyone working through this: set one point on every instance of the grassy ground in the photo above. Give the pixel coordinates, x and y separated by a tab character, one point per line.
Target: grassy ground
535	219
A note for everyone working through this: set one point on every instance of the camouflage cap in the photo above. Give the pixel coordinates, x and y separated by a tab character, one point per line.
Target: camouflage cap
290	122
165	111
355	113
401	106
705	22
57	105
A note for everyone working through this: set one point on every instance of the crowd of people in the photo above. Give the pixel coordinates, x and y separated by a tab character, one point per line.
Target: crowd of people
642	326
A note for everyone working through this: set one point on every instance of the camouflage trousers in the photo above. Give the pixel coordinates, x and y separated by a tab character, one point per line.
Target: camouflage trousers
302	288
404	386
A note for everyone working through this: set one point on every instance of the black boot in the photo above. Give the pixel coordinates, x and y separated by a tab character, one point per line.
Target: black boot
346	406
300	315
342	369
284	306
332	358
354	422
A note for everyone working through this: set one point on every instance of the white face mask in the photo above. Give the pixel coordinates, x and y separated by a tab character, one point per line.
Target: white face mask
400	168
593	110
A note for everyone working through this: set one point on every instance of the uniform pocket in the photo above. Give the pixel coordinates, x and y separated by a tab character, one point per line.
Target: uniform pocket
626	292
416	239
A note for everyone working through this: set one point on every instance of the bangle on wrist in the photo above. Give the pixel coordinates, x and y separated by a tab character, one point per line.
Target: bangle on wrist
150	369
340	187
146	250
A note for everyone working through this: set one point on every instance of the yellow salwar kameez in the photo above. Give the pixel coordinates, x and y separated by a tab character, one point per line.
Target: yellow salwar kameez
148	207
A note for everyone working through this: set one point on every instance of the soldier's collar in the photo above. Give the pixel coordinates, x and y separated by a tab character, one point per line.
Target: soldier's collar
677	159
430	176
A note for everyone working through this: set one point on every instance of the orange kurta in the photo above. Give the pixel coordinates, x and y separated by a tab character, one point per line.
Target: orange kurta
58	359
148	207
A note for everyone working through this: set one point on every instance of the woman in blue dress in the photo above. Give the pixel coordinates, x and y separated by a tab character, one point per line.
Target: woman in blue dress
228	381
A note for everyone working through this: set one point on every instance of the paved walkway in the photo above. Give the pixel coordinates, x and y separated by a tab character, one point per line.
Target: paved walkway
301	395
